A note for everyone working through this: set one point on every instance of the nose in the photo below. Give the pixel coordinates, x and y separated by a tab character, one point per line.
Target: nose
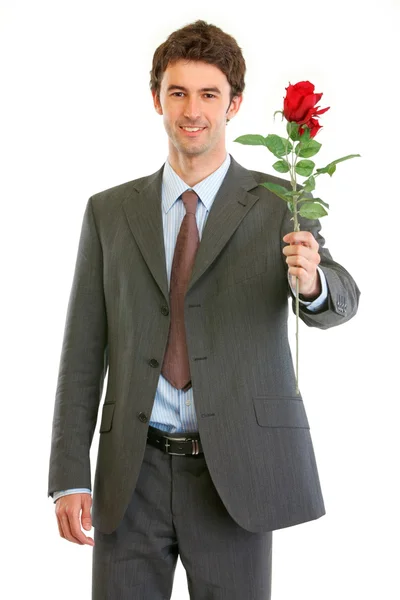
192	109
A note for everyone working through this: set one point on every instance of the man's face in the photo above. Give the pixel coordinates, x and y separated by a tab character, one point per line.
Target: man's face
195	94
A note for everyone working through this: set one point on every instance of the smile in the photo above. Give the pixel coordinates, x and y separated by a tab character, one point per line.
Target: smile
192	131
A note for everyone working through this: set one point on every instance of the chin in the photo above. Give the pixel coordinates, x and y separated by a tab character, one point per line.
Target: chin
191	149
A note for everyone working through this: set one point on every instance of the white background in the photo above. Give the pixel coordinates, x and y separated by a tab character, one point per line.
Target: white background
76	118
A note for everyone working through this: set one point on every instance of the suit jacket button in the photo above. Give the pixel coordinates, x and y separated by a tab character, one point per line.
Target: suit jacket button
165	310
153	362
143	417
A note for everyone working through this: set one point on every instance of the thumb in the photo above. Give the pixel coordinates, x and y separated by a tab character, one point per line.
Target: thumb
86	517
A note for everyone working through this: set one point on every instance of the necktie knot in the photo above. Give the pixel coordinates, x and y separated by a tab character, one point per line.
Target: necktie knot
190	199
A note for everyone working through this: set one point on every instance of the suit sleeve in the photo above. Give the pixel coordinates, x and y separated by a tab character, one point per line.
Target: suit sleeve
83	366
343	292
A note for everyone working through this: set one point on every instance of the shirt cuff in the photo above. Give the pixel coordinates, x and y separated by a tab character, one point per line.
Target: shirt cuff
60	493
318	302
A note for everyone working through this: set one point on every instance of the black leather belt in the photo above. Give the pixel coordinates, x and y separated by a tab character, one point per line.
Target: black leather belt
175	443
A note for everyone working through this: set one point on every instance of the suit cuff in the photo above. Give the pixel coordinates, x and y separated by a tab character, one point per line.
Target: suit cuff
316	304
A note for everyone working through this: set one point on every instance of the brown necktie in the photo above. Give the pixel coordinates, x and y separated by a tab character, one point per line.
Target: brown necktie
175	366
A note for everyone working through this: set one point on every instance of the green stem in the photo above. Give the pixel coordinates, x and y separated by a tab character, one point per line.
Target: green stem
296	228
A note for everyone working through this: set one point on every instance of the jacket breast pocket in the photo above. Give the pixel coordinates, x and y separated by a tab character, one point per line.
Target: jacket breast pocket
107	417
280	411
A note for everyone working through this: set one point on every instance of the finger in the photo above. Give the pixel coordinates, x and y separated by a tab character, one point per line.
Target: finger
66	525
76	530
294	249
299	250
301	237
299	272
86	518
300	261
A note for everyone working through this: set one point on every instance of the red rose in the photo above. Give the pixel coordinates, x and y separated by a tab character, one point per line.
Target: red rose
299	106
314	127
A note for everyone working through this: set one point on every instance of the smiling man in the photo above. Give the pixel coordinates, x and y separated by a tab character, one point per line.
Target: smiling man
181	291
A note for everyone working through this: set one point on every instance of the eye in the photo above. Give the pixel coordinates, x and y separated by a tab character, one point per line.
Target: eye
207	94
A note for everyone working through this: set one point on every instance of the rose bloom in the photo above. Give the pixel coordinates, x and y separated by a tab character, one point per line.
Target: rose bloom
299	106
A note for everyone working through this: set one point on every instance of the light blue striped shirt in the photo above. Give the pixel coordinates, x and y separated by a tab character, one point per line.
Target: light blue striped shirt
173	409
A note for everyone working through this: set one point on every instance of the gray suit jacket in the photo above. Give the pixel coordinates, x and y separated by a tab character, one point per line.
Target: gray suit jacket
254	428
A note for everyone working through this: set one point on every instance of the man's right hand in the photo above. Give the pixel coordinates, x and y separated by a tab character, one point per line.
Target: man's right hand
69	517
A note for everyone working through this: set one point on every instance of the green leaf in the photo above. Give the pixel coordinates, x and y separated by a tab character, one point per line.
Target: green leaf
281	166
339	160
331	167
292	129
309	184
312	210
314	200
305	167
279	146
251	139
279	190
307	149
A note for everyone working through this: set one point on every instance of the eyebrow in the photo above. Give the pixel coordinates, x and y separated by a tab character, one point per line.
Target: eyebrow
205	89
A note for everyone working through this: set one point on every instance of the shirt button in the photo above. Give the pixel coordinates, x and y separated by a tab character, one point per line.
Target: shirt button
187	402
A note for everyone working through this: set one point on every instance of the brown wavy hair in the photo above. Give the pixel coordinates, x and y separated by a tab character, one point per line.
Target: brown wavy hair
203	42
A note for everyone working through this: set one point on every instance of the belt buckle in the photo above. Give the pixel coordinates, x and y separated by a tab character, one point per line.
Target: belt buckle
195	445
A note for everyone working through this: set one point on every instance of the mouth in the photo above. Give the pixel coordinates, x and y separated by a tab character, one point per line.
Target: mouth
190	133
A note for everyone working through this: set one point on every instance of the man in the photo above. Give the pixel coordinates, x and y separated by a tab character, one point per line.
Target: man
181	291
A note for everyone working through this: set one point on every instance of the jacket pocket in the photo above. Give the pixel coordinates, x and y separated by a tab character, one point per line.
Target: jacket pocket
280	411
107	417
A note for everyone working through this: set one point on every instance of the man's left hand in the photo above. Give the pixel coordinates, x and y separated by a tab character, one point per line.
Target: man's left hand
302	258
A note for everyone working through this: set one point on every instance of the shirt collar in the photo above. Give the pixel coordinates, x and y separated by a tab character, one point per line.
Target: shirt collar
173	186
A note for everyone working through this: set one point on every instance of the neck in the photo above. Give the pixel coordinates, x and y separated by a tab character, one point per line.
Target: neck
193	169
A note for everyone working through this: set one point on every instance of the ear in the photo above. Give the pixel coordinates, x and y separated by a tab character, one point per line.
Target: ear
156	102
234	106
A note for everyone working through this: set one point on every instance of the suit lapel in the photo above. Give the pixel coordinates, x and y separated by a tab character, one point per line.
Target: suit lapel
143	211
230	206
